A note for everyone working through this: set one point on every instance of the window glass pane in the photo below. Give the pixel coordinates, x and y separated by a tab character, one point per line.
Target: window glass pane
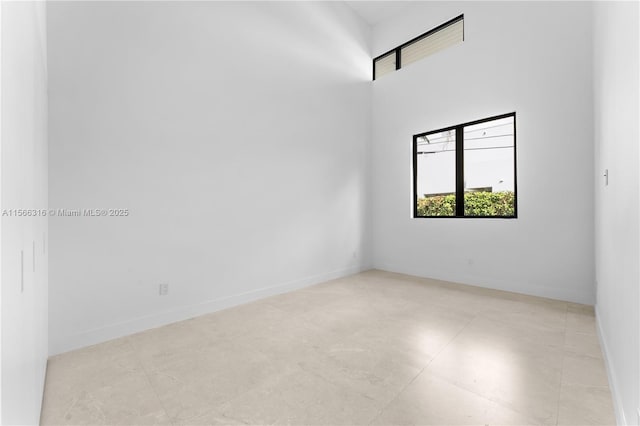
385	65
489	175
436	174
439	40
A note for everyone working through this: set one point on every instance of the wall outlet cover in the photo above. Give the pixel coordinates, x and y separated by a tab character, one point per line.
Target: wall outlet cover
163	289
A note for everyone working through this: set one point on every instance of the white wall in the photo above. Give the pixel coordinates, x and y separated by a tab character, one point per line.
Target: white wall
237	136
532	58
616	74
23	186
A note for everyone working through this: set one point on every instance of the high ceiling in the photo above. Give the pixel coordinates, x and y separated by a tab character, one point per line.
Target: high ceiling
374	12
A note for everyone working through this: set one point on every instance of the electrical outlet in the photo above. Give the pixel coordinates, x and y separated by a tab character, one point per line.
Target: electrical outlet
163	289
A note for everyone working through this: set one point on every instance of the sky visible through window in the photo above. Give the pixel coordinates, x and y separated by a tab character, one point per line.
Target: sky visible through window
488	159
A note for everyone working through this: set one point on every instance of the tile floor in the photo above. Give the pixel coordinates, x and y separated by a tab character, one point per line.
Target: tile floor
374	348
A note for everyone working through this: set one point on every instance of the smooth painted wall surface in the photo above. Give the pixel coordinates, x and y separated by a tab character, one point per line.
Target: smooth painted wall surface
23	294
534	58
616	116
237	136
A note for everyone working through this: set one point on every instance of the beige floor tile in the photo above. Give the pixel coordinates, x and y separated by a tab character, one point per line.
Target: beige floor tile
580	308
462	300
377	374
92	365
122	401
433	401
293	343
537	313
374	346
301	301
582	343
211	418
78	381
244	319
529	340
302	398
581	321
376	366
159	347
584	370
208	378
585	406
505	364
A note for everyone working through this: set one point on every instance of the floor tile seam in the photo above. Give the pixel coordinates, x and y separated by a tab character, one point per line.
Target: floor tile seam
331	382
301	368
603	388
381	411
542	329
199	350
585	333
446	345
307	323
498	401
567	383
582	354
223	407
185	422
494	399
148	377
364	395
595	334
577	385
562	371
519	306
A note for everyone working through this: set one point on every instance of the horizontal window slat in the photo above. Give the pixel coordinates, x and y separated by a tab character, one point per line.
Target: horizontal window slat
385	65
433	43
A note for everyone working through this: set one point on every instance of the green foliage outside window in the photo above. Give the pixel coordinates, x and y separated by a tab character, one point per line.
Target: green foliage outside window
475	204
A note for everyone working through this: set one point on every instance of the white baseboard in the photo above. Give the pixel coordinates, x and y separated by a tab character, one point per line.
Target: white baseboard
135	325
613	382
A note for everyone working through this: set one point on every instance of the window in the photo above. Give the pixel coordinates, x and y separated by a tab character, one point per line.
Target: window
468	170
385	64
443	36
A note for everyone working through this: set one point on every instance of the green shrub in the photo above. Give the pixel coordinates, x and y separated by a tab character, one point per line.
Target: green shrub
475	204
437	205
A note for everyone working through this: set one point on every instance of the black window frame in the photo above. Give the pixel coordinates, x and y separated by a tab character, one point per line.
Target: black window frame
459	129
397	50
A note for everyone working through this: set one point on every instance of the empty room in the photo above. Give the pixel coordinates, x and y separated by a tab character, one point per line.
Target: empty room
320	213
